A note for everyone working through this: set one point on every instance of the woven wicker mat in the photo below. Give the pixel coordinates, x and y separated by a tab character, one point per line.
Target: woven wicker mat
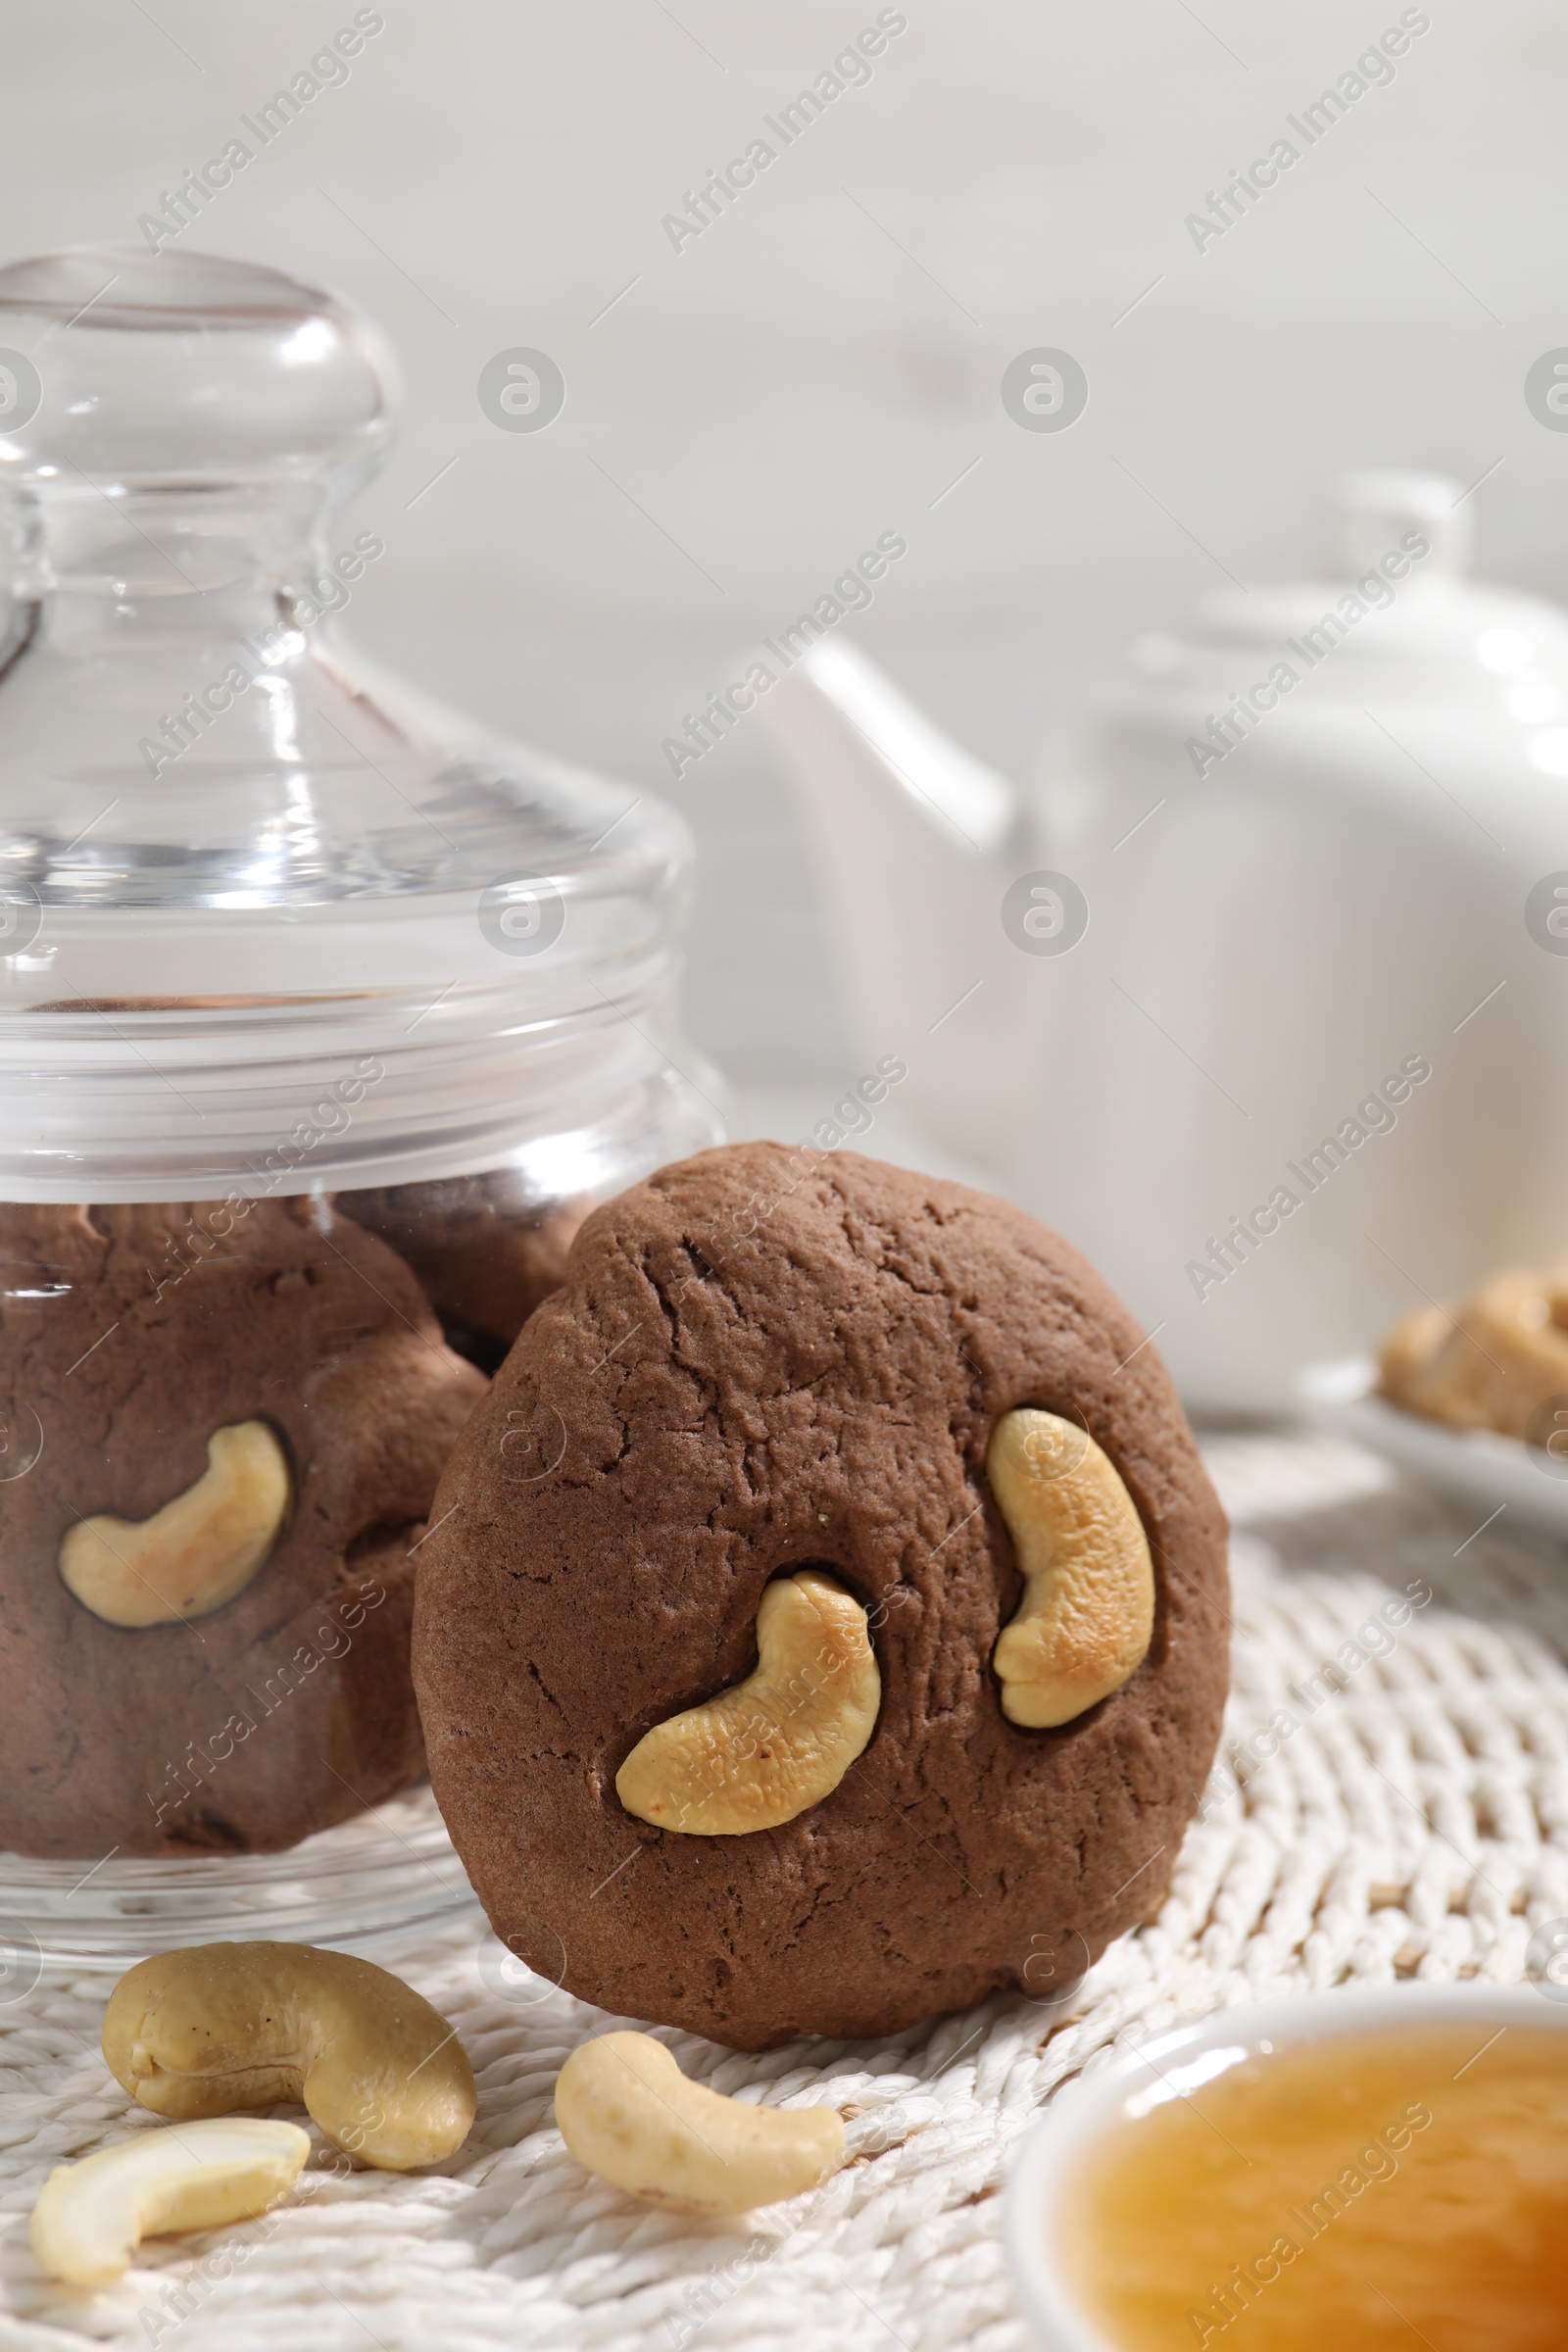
1391	1799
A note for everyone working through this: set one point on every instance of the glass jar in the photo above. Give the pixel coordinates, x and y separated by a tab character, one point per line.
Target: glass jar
324	1018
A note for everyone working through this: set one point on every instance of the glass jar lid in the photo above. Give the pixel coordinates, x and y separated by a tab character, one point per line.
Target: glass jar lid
240	873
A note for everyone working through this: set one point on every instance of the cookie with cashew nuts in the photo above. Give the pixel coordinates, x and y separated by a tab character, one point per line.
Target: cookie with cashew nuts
229	1424
860	1632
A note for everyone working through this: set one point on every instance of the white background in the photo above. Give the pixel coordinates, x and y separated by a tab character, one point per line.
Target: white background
824	360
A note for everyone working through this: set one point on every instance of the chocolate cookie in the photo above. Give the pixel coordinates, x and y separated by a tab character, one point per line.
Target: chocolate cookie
485	1253
289	1359
756	1369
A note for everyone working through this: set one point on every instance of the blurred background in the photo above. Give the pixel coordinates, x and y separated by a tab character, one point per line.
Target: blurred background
821	361
749	406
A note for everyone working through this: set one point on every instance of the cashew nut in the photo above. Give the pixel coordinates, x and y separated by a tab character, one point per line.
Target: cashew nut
771	1747
195	1554
627	2113
1087	1611
222	2025
1498	1361
91	2216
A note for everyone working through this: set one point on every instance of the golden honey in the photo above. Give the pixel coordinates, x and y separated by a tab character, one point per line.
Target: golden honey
1394	2189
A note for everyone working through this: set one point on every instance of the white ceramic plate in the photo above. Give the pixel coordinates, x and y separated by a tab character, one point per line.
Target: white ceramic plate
1473	1466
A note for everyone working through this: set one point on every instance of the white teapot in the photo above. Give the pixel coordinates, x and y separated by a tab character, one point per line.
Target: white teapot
1263	1000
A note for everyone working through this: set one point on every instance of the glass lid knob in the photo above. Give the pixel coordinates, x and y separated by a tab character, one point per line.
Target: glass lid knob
135	368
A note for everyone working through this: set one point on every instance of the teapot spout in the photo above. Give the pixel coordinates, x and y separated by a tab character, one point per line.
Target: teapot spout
910	832
855	741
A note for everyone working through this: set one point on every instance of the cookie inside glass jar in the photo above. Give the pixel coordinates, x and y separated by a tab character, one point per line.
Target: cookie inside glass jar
486	1249
209	1566
275	933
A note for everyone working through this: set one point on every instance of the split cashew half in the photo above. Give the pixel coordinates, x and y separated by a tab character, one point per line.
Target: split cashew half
195	1554
222	2025
1086	1616
91	2216
627	2113
770	1747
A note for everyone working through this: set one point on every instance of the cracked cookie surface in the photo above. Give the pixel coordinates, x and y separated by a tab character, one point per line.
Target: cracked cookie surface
757	1366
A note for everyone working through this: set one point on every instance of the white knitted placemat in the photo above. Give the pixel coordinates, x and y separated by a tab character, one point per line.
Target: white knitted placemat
1391	1799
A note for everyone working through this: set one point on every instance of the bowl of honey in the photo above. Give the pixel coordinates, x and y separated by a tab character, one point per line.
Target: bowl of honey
1371	2170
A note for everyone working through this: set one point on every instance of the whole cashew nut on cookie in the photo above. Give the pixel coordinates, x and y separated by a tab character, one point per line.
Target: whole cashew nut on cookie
1086	1616
776	1743
201	1550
